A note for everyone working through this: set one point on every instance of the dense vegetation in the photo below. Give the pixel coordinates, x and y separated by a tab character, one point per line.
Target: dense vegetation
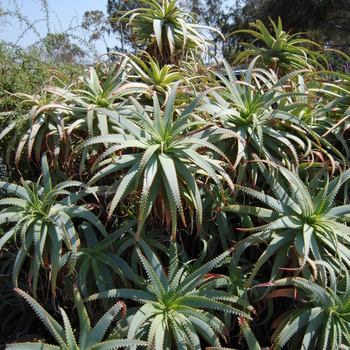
163	203
324	21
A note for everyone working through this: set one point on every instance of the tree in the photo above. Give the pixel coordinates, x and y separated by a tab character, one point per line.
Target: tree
212	13
114	10
98	26
62	49
228	19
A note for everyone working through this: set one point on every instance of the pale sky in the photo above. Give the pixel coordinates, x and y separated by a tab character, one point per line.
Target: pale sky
63	14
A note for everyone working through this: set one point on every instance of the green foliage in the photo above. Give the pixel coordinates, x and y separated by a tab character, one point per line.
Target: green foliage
44	124
168	150
283	52
325	22
120	30
175	305
318	114
306	219
93	94
248	335
24	76
41	215
167	30
59	46
253	163
96	22
161	80
251	109
88	338
323	320
99	258
25	71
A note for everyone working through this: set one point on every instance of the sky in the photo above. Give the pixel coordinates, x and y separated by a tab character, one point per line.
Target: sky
63	14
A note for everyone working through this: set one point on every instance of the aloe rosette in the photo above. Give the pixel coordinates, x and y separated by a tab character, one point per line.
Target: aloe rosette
251	109
44	223
181	305
166	29
301	216
44	126
89	338
161	80
283	52
322	320
98	259
168	161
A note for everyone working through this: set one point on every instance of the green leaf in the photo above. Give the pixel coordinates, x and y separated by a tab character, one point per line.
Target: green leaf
157	26
159	289
145	312
155	263
203	302
118	343
169	170
70	340
46	318
121	163
158	122
153	193
149	158
301	320
169	110
157	332
312	329
204	330
69	235
173	261
191	183
249	336
16	190
84	322
188	284
101	327
202	163
126	183
123	293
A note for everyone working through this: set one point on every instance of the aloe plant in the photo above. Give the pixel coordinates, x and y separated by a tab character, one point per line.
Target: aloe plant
324	116
167	163
322	320
103	88
283	51
97	91
307	219
99	259
223	219
41	215
59	114
166	29
249	108
42	127
179	306
161	80
89	338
